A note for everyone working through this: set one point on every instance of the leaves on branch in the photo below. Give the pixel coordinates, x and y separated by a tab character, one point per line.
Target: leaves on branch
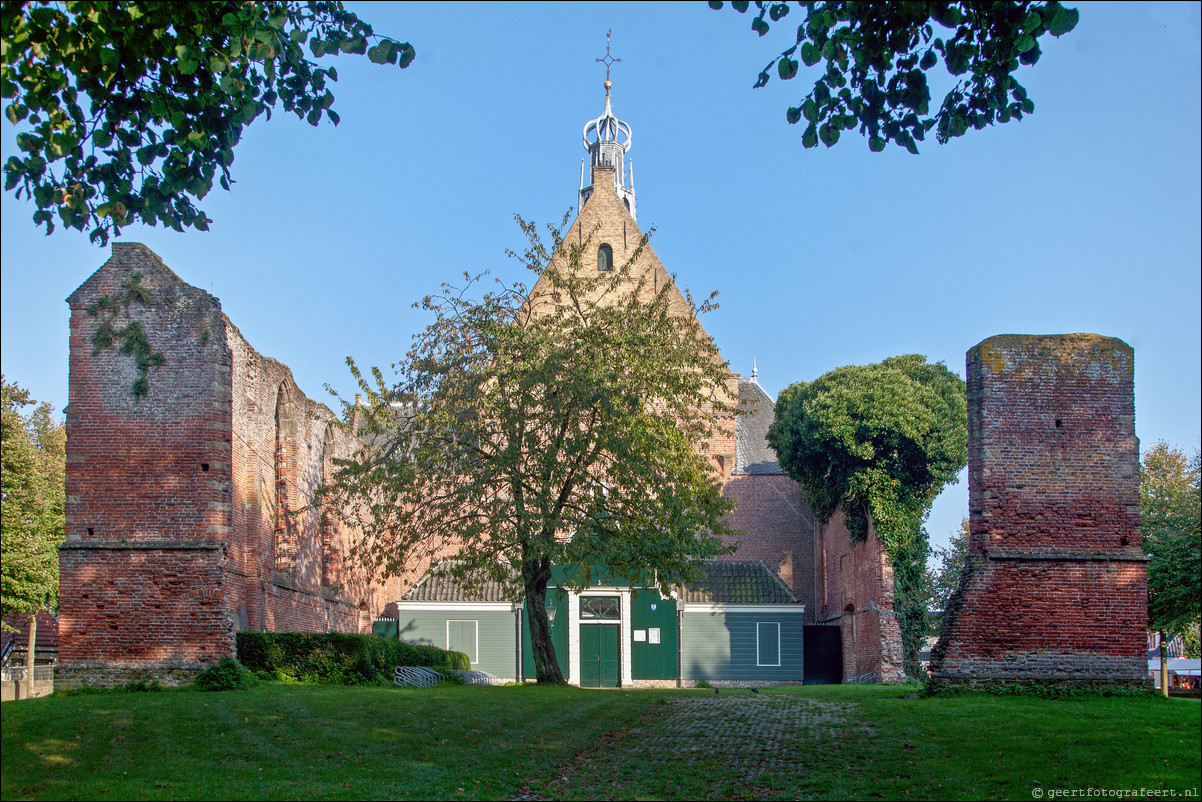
877	57
32	470
1171	521
130	110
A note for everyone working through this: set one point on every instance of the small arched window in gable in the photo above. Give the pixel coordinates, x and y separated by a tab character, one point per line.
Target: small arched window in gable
605	258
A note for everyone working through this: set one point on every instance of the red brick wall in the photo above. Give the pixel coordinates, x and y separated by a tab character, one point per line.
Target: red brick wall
1055	587
182	524
856	592
148	477
153	603
776	526
284	542
158	465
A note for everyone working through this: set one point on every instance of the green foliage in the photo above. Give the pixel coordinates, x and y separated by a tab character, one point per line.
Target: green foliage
879	441
131	336
911	600
877	56
227	675
32	472
1171	520
1050	689
127	110
337	658
1192	642
943	581
149	685
522	429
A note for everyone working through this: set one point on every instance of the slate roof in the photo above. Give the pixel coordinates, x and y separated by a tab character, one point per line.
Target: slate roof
738	582
753	455
724	582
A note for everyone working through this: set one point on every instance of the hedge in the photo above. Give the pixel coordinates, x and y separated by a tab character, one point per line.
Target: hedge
226	675
337	658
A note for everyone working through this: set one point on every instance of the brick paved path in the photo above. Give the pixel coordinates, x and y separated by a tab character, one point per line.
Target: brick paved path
733	742
755	732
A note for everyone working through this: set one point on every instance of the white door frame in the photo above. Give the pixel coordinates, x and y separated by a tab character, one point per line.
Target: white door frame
574	631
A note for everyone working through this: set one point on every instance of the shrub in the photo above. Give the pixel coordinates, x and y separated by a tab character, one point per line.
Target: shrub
143	686
338	658
227	675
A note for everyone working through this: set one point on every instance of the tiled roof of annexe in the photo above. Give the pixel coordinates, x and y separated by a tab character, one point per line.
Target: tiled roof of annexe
724	582
738	582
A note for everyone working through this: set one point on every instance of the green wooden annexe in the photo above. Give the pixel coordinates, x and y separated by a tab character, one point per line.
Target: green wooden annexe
739	623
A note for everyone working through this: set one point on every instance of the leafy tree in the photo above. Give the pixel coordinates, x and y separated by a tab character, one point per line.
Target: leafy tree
32	500
33	459
877	56
944	579
880	441
1171	520
565	428
128	109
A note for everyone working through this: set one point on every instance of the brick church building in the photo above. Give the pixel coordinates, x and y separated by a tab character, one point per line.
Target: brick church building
192	461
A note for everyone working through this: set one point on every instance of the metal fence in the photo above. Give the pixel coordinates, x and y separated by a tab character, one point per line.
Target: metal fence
17	673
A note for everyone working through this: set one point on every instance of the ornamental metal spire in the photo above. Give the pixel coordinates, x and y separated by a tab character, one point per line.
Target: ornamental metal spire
608	60
607	140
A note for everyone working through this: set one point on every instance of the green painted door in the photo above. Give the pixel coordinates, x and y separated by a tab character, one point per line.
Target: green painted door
600	663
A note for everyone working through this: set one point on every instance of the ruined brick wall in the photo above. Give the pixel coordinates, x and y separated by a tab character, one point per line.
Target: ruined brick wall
185	521
1055	587
856	592
290	554
148	476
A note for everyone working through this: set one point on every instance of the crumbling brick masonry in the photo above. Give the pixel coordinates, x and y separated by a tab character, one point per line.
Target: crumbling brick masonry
1054	588
190	508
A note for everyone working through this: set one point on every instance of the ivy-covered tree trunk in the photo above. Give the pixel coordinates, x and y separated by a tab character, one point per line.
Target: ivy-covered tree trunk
535	576
910	599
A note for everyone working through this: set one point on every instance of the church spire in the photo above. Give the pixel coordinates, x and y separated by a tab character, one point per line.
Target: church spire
607	140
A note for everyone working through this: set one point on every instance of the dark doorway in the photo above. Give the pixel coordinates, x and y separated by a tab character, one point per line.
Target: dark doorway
822	646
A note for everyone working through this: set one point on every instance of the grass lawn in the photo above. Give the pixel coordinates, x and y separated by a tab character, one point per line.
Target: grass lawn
290	741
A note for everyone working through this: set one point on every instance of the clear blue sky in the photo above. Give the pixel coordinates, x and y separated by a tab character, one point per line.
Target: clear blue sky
1082	217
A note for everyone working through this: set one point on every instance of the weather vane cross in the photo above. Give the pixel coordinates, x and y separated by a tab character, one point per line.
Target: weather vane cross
609	60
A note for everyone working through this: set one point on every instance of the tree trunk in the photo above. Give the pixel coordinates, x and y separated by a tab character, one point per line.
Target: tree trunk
1164	663
535	575
30	659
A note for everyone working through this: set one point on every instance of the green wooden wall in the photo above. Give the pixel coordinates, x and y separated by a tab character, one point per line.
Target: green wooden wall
723	646
652	660
496	635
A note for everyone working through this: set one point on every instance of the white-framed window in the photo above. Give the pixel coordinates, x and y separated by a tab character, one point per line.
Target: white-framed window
464	636
767	643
